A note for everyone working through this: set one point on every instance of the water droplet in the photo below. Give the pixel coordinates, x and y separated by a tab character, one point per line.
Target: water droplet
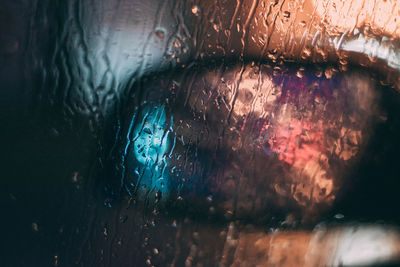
123	219
75	177
35	227
105	232
177	44
238	27
318	73
55	260
300	73
195	10
160	33
211	210
329	73
339	216
286	14
216	27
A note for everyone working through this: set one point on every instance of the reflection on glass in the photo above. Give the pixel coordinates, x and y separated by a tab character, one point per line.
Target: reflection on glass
213	144
150	143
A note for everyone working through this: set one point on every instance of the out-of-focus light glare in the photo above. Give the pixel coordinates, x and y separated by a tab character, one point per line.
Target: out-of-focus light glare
150	146
151	136
364	246
372	48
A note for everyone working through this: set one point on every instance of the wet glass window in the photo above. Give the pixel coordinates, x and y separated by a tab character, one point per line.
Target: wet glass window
200	133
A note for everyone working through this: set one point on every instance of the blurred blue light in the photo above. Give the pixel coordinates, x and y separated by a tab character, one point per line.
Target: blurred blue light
151	136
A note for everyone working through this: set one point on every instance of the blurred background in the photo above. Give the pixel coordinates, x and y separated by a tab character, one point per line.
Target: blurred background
158	133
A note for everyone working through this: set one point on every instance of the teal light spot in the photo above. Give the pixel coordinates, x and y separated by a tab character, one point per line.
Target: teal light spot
151	140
